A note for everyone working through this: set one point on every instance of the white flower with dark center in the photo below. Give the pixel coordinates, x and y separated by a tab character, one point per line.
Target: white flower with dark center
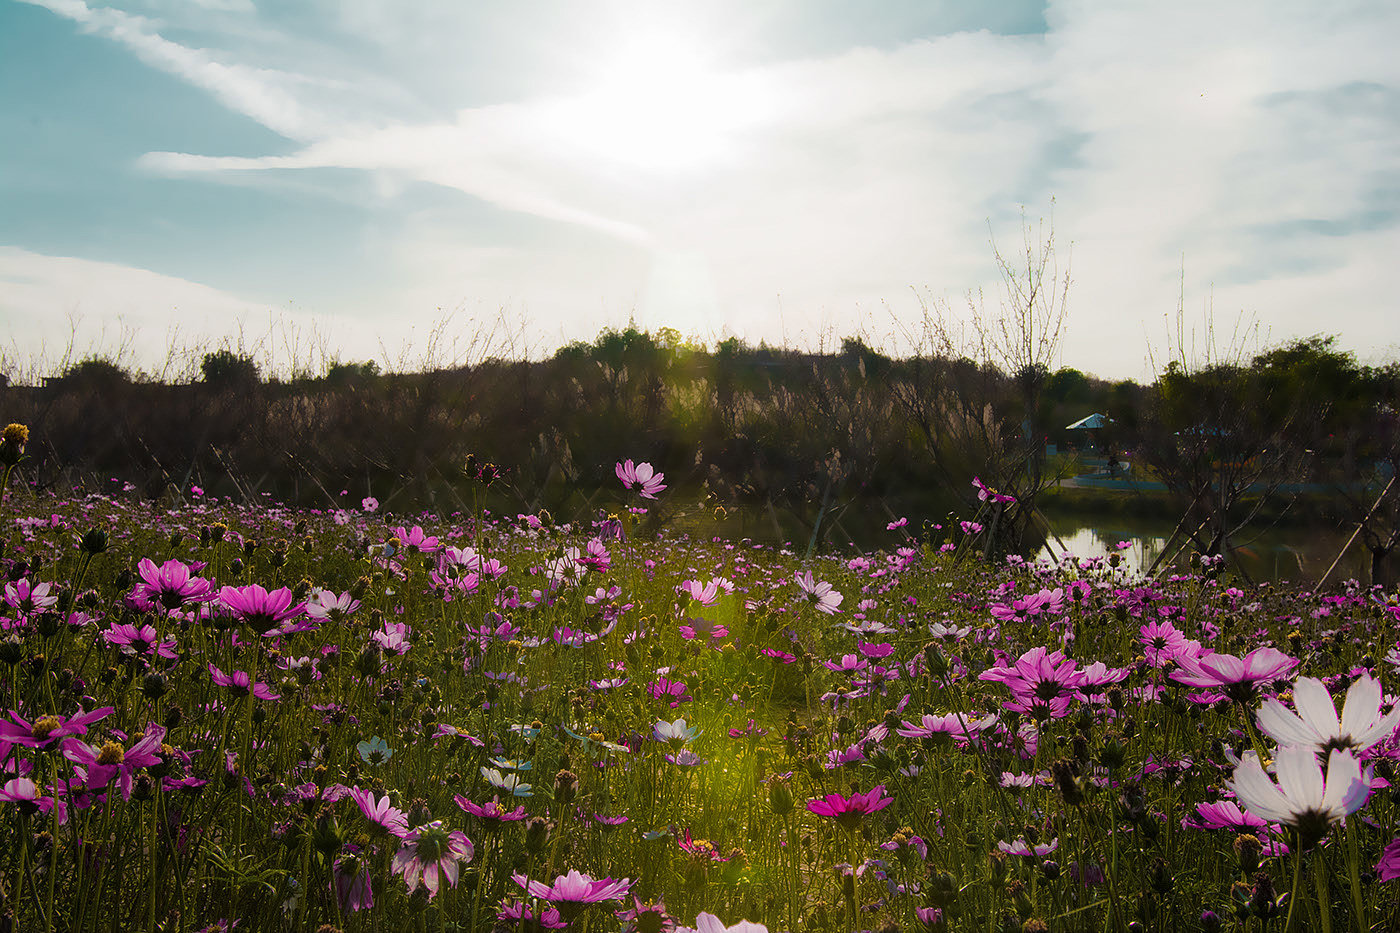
1302	798
1315	724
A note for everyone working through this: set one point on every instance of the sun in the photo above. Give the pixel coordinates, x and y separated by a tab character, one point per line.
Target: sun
657	102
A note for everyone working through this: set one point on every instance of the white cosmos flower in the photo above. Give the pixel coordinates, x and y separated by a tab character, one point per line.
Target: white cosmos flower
709	923
1316	725
676	733
1302	798
509	782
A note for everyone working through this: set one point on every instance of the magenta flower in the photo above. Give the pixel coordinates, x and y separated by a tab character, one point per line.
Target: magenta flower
986	493
820	594
1388	868
393	638
703	592
240	684
1237	678
28	598
1161	641
672	691
144	639
573	892
350	881
491	814
100	766
430	854
383	816
849	663
849	811
266	613
25	794
519	913
1042	682
415	540
46	731
703	629
954	724
169	586
647	481
325	605
1226	814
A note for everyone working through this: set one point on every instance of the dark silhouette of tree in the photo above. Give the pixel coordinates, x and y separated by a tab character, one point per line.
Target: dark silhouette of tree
226	369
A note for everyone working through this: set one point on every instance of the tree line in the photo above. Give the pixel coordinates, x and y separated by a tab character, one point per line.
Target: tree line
817	437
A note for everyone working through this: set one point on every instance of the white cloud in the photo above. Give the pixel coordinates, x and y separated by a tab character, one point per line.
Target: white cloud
1254	142
266	95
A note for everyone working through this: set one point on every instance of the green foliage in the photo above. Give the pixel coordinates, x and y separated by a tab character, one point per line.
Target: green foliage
227	369
94	373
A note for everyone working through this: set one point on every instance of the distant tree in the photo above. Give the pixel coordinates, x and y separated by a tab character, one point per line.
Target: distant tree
226	369
94	373
339	373
1067	385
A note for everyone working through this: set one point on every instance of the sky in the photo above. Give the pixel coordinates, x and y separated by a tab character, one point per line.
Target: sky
427	183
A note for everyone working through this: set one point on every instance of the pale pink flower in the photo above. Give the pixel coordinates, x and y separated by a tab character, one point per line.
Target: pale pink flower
430	854
641	475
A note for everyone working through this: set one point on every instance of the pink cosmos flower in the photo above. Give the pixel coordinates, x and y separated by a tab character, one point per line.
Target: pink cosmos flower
393	638
849	811
986	493
27	598
672	691
1024	849
383	816
491	814
849	663
692	629
430	854
1388	868
647	481
573	892
1160	642
169	586
350	881
140	640
519	913
954	724
25	794
46	731
100	766
820	594
1042	682
327	606
1237	678
1226	814
415	540
240	684
266	613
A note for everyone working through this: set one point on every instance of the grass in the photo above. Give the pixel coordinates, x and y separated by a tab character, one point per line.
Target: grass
450	684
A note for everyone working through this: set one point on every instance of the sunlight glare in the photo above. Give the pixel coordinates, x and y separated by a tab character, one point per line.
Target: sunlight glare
659	104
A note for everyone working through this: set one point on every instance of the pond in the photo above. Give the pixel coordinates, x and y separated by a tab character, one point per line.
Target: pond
1293	553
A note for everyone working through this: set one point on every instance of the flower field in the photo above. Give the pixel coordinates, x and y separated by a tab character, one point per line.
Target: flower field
219	716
